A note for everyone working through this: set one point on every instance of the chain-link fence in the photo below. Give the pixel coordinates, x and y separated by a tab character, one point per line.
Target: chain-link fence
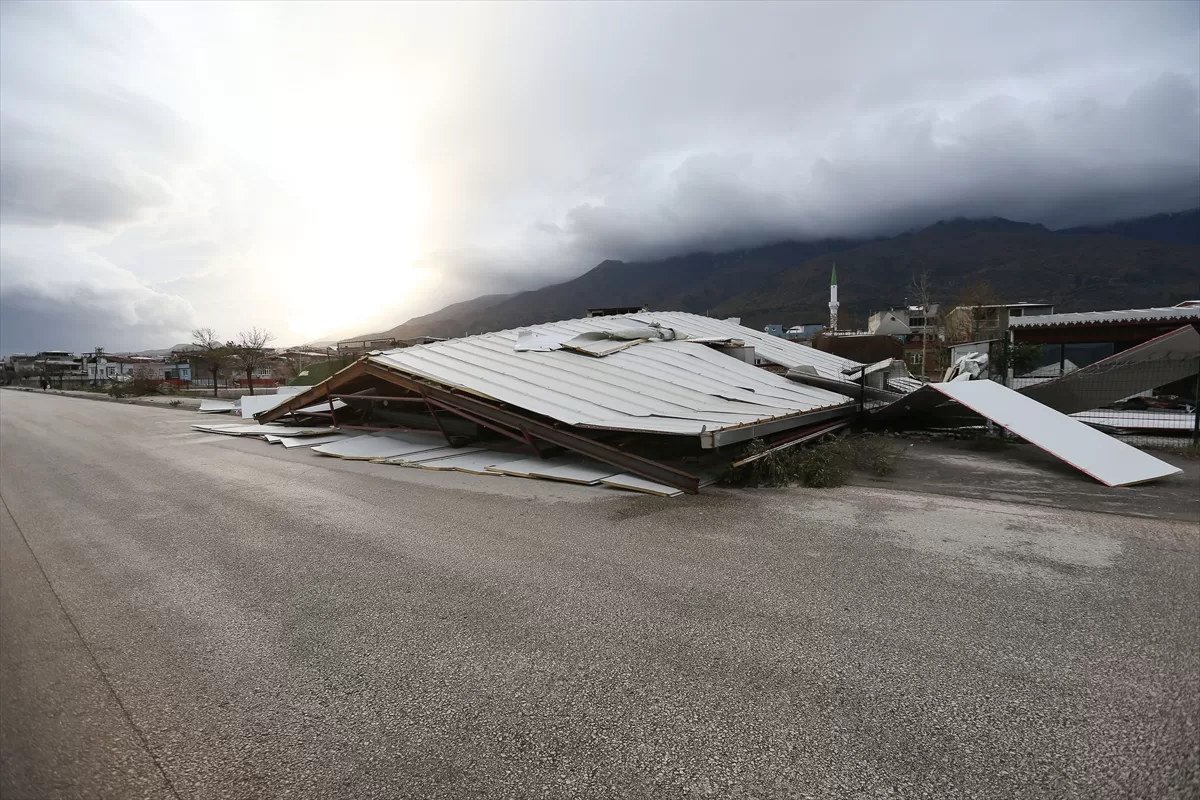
1148	403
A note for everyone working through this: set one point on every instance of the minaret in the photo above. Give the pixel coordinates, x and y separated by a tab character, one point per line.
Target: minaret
833	303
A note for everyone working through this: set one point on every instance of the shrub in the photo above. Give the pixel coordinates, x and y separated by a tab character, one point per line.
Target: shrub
827	463
144	381
872	454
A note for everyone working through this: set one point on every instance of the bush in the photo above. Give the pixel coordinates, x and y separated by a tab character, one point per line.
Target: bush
144	381
824	464
829	463
872	454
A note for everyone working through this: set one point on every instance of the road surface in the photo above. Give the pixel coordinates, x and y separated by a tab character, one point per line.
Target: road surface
194	616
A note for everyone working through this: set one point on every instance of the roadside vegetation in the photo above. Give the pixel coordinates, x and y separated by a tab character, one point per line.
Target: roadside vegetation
827	463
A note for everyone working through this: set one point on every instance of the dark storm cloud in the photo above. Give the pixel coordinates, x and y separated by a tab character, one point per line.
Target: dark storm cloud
1059	164
87	315
639	131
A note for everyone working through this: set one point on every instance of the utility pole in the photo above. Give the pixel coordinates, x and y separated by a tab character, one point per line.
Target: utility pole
96	366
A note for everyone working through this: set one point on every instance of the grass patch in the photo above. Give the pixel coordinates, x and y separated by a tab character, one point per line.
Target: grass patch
830	462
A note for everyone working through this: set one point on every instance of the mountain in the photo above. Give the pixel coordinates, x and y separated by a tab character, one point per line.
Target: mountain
1021	262
695	282
164	352
453	320
1181	227
788	282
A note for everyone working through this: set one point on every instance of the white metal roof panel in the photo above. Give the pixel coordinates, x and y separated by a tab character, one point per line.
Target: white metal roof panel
313	441
432	455
627	481
616	378
1106	459
580	470
208	406
381	445
260	430
775	349
474	463
256	404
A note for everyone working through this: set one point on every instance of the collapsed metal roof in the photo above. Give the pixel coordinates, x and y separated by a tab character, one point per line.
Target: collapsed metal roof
649	373
676	387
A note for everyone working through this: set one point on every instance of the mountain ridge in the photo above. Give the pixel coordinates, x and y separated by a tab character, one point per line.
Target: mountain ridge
1130	263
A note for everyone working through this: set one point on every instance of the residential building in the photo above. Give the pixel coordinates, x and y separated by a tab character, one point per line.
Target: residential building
804	331
20	366
920	331
111	366
917	319
983	322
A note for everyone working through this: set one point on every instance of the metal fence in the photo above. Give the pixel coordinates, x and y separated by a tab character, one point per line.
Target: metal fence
1148	403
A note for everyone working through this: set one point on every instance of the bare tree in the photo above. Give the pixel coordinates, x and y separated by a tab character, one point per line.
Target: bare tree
211	351
251	349
920	287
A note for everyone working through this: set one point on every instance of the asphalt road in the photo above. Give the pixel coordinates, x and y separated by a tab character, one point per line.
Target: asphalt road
193	616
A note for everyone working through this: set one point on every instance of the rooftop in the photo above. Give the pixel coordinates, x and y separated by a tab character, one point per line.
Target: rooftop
1184	313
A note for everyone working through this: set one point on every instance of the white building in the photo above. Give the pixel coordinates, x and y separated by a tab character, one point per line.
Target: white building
114	367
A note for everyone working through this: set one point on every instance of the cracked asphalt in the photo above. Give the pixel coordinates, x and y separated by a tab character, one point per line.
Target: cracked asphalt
193	616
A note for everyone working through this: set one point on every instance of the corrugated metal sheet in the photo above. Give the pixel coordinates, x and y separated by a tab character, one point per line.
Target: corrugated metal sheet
382	445
1095	317
674	387
475	463
637	484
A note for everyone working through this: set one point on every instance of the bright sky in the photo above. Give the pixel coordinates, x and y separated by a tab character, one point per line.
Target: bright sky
323	170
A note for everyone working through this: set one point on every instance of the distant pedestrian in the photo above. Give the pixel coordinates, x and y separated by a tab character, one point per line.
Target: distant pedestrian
45	384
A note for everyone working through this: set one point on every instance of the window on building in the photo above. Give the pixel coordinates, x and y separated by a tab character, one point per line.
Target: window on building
111	371
916	358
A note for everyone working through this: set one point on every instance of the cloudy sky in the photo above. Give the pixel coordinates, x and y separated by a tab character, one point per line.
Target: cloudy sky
324	170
